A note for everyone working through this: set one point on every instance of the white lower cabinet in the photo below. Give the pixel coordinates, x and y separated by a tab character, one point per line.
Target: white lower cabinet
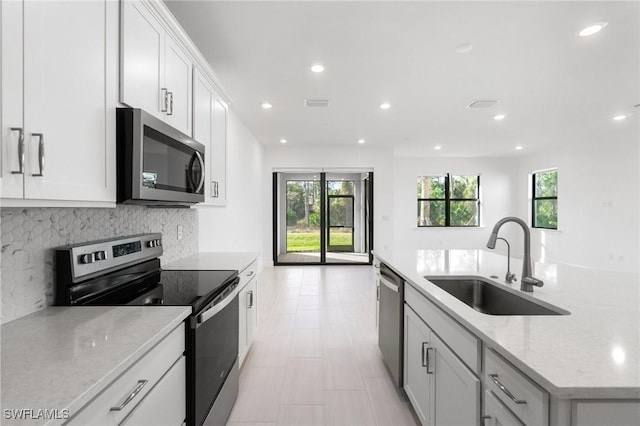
441	388
248	300
152	391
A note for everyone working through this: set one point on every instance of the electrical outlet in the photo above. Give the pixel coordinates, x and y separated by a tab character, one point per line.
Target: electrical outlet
179	232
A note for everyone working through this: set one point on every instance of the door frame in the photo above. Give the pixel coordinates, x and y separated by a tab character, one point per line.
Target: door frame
367	225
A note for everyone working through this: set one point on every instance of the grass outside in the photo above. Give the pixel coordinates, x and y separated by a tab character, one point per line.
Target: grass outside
310	241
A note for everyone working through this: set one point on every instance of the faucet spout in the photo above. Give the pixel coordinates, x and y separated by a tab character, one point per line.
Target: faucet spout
527	281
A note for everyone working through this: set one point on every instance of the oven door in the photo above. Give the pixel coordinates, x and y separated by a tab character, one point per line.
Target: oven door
163	165
214	360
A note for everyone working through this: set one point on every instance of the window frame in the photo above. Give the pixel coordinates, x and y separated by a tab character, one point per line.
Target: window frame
448	199
534	199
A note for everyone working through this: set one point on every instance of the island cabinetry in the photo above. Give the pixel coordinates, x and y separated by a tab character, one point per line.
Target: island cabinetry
248	309
439	384
152	391
156	71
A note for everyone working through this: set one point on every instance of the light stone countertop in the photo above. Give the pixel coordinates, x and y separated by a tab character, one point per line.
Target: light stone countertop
212	261
592	353
62	357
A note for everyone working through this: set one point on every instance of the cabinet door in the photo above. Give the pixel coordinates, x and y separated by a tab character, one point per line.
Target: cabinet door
252	310
203	104
417	382
218	158
66	83
457	389
177	80
11	184
496	414
142	59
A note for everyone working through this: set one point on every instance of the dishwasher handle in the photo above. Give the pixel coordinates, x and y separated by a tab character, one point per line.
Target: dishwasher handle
391	286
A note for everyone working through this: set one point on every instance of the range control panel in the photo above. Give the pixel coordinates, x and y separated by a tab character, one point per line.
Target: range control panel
94	258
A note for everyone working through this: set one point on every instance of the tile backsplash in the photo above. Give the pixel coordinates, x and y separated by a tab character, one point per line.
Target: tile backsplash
28	237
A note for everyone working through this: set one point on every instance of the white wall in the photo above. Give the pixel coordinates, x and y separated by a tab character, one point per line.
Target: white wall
299	158
498	196
598	201
238	225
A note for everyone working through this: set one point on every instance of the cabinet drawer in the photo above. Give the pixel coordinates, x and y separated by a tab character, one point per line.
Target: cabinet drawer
459	339
510	385
496	414
248	273
165	394
150	368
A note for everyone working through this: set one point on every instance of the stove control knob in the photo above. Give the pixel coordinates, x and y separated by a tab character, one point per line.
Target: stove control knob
86	258
151	243
100	255
158	242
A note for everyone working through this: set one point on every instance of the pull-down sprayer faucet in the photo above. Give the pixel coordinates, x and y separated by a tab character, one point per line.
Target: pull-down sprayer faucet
527	281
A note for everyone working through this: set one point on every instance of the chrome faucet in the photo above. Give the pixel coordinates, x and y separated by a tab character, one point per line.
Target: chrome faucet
527	281
509	277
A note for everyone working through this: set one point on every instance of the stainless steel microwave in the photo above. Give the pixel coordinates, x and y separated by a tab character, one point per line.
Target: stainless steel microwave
157	164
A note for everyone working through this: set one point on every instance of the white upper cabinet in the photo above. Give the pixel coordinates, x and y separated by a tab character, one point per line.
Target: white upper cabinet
59	91
210	129
156	71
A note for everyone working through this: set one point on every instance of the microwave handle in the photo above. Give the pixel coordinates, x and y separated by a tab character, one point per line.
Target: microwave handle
199	157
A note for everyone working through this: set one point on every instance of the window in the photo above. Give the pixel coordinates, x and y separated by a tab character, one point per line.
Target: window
449	200
545	199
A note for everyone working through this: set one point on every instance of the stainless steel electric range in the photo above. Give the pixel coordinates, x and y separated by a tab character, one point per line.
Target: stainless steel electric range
126	271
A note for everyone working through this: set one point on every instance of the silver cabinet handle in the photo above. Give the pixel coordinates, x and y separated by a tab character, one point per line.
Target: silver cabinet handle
131	396
250	273
429	360
214	189
249	299
378	293
425	360
163	95
201	161
20	150
391	286
170	109
494	378
40	137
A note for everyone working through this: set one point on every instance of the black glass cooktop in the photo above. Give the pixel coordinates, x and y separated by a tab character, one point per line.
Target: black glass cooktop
194	288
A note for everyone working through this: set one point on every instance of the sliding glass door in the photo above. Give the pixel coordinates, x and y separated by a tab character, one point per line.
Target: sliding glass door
322	217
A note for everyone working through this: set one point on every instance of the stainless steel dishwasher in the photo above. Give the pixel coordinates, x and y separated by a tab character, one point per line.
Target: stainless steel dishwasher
391	321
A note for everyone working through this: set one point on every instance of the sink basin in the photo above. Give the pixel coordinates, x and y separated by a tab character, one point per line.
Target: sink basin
488	298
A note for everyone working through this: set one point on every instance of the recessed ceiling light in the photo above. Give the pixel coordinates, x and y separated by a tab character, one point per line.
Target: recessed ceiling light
519	147
592	29
437	147
361	141
464	47
499	117
283	141
317	68
619	117
266	105
385	105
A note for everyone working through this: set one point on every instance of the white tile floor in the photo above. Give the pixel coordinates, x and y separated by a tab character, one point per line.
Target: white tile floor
315	360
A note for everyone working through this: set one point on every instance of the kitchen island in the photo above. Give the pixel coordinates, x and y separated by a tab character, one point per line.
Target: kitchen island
593	353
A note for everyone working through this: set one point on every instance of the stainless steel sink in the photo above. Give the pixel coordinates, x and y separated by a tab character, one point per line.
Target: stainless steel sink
488	298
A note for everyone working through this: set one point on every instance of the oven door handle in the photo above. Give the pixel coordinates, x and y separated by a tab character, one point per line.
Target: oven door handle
211	312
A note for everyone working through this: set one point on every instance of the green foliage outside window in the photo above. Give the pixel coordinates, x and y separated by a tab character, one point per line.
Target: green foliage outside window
448	200
545	199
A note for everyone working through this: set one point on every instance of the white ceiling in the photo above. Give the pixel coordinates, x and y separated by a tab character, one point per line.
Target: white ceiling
553	86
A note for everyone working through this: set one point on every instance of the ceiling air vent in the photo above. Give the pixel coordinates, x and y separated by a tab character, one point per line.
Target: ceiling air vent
322	103
482	104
